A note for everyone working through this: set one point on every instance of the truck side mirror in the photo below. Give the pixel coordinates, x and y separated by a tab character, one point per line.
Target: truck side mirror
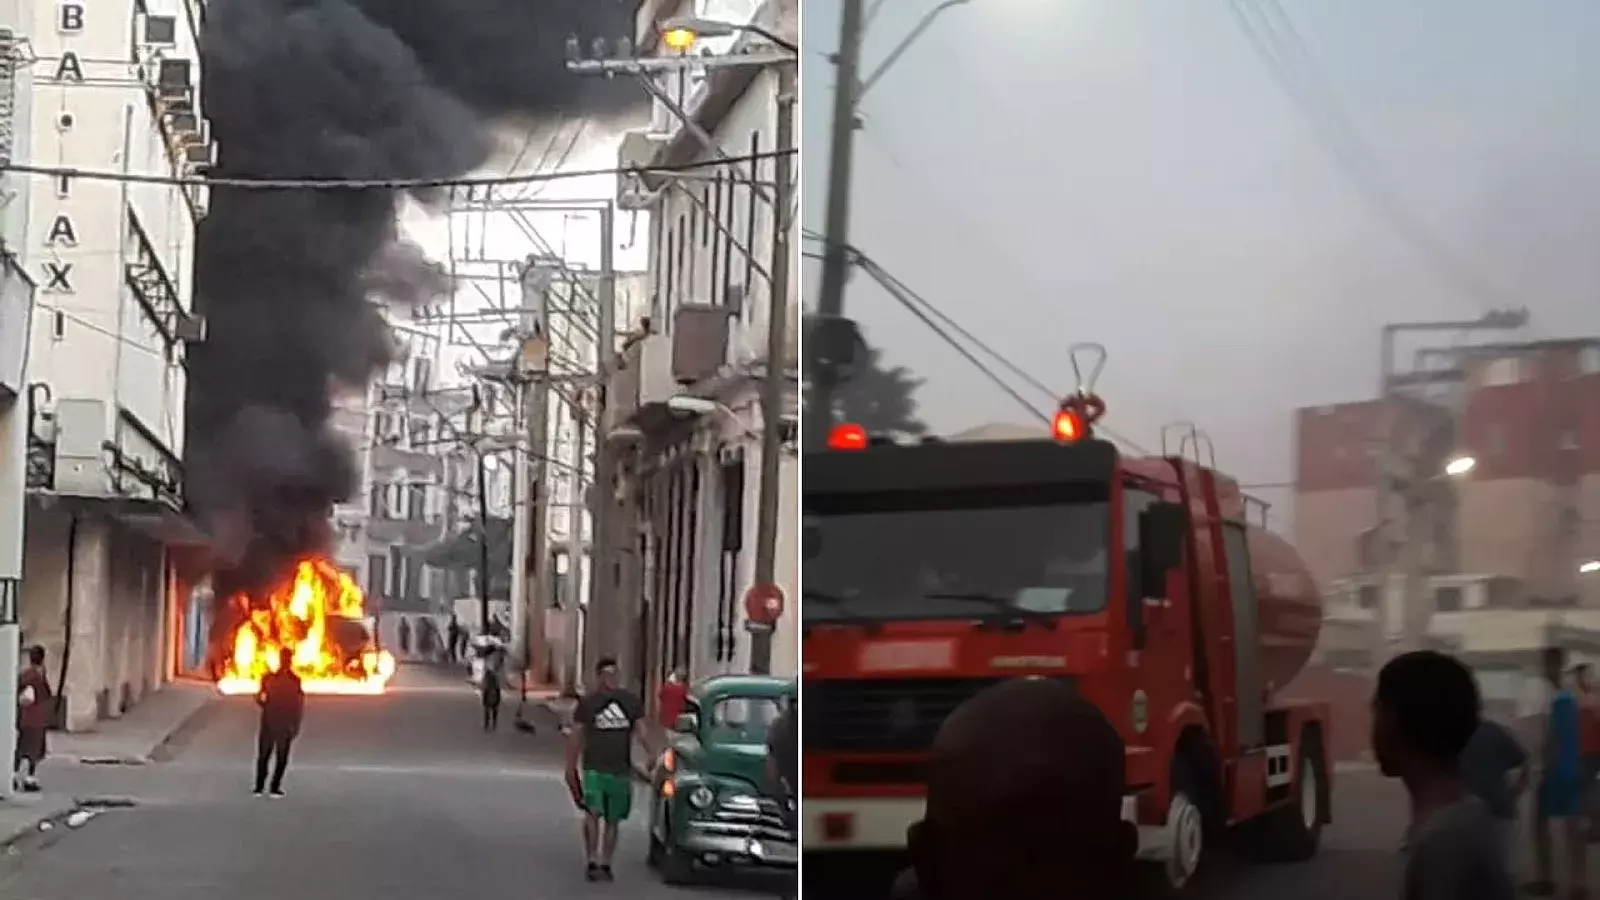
1161	527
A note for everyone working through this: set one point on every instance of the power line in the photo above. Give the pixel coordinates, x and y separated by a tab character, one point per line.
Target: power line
1266	26
393	184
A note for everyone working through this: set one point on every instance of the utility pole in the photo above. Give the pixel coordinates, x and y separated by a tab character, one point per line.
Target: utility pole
775	387
574	584
1404	478
824	369
603	624
483	512
527	531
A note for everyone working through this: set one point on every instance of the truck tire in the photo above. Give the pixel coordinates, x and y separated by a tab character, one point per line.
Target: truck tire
1187	826
1294	832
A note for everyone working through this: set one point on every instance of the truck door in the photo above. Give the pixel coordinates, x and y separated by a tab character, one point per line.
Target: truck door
1249	699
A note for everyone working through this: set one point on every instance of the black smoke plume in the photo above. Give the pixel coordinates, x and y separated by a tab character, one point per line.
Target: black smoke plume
329	89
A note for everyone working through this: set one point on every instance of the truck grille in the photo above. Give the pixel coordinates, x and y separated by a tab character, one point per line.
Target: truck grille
745	815
882	716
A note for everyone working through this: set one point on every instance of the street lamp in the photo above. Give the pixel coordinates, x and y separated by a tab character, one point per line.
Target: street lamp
1590	567
681	33
701	406
905	44
1459	466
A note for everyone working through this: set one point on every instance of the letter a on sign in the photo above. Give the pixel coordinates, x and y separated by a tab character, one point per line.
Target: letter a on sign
70	68
62	233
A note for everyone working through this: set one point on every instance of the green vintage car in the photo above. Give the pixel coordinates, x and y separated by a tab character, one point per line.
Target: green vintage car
709	804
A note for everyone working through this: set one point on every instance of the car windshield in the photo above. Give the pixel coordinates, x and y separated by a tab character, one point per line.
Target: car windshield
955	554
741	720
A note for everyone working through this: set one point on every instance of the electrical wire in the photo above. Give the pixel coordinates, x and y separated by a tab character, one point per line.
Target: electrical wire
1266	26
393	184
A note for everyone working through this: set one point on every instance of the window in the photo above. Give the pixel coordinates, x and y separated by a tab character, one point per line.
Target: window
956	553
741	720
1503	371
750	208
397	569
377	568
416	501
375	500
421	434
1589	360
421	374
1447	598
1367	596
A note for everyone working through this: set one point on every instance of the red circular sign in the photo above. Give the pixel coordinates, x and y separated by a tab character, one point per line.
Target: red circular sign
763	603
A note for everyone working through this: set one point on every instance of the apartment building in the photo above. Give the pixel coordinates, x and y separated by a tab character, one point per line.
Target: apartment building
113	261
1503	546
688	487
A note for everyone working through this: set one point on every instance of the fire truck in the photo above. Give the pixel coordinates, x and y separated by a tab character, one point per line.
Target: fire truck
935	569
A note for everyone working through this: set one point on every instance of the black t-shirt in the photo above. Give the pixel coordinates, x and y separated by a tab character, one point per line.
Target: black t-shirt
607	719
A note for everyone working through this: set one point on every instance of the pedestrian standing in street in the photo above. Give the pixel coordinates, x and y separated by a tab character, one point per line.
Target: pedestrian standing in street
600	750
405	637
1426	710
489	689
33	720
671	698
283	706
1560	797
453	637
1588	745
1495	768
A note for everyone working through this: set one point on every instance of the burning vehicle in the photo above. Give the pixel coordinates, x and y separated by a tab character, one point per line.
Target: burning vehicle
319	614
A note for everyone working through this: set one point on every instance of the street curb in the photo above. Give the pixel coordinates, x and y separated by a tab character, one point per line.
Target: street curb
180	736
49	827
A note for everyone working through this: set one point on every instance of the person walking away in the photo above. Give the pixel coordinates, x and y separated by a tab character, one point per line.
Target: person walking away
1033	819
600	746
489	688
1560	791
672	698
1426	709
1496	769
405	637
34	702
453	636
283	706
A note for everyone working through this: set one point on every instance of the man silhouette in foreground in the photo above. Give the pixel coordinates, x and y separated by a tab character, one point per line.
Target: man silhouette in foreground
283	705
1025	790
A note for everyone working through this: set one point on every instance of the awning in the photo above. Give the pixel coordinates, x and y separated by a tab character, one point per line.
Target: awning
152	518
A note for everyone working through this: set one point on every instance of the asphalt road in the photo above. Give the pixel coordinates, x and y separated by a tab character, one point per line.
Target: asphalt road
400	797
1359	858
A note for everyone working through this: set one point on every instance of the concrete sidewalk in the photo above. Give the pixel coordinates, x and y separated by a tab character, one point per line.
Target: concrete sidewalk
138	735
135	738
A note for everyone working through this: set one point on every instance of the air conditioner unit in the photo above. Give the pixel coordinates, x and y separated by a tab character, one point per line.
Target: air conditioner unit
159	31
175	79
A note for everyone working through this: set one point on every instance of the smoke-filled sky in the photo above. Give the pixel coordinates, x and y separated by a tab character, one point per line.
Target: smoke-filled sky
325	89
1131	173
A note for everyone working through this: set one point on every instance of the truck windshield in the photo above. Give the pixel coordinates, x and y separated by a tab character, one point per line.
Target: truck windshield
954	554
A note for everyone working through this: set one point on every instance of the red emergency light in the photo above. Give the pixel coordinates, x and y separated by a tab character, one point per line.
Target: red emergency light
848	436
1067	426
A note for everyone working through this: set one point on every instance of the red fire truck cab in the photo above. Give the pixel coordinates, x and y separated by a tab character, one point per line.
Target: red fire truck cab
936	569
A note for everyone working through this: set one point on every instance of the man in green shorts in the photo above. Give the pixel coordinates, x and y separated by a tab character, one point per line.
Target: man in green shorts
601	742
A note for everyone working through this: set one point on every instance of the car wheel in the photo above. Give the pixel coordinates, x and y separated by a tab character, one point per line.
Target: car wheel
677	867
658	849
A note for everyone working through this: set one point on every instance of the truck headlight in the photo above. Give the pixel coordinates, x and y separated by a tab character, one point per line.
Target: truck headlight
701	797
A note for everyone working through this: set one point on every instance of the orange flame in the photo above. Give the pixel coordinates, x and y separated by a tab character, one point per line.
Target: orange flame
297	616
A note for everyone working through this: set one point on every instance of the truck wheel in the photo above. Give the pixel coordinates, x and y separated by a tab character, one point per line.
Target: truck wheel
1186	826
1294	833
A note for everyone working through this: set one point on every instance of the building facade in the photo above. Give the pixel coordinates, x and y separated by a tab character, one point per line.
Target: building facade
689	491
1503	547
107	344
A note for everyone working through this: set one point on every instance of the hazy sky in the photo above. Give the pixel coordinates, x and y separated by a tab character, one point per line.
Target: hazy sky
1130	172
